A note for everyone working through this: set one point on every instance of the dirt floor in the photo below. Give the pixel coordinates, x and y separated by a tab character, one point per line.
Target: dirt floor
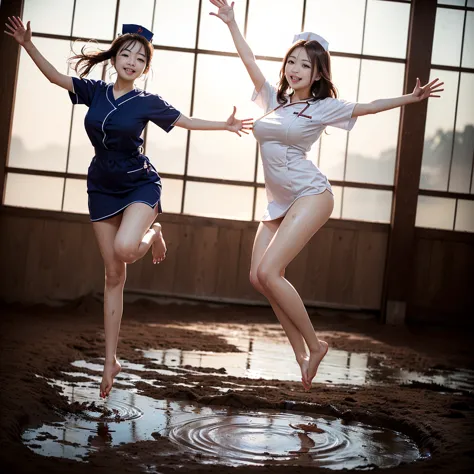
44	341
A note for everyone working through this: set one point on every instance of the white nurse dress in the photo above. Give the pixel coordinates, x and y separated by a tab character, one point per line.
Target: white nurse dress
285	135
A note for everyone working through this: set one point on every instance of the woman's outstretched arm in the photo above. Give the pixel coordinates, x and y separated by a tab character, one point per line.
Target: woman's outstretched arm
232	124
226	14
419	93
22	36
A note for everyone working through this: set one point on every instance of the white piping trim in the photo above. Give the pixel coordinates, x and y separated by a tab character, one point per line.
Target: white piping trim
124	207
107	95
103	131
134	171
127	100
114	109
177	118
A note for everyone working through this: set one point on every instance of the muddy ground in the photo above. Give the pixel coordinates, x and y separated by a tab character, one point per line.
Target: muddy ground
44	341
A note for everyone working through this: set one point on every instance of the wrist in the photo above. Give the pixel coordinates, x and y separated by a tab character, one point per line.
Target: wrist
28	45
232	24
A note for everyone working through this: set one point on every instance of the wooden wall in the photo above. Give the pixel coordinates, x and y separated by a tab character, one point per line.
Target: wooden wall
49	257
442	289
45	256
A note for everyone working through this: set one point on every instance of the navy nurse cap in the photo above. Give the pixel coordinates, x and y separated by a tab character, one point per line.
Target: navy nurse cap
138	30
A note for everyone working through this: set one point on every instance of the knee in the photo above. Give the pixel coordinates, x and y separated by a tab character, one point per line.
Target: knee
115	276
255	282
267	276
126	251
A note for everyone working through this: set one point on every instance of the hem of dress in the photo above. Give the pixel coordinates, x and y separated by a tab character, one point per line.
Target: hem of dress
123	208
283	214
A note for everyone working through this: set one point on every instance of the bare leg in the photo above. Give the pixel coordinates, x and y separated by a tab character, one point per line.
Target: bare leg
306	444
303	220
115	274
122	239
135	236
265	233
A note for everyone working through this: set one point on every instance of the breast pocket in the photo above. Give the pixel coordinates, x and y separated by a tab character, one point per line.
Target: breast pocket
300	131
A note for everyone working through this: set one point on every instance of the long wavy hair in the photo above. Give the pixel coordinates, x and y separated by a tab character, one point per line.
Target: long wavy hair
320	61
85	61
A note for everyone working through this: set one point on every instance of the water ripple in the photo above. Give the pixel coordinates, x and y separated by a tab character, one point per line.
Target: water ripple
288	439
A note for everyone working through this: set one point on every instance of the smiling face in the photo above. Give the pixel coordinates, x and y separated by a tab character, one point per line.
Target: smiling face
298	70
131	61
305	73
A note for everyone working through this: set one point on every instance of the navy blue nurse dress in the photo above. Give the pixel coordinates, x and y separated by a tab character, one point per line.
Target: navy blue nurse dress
119	174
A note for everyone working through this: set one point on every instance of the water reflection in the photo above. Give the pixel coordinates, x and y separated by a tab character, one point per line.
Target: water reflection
221	435
271	438
270	357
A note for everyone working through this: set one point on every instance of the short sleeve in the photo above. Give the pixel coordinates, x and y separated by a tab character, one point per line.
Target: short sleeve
84	90
161	113
338	113
266	97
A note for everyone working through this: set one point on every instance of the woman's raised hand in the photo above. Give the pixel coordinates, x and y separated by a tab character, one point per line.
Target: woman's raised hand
431	89
225	12
235	125
17	29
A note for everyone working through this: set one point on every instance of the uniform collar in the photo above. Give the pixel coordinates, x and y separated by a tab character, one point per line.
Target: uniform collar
288	101
121	99
308	102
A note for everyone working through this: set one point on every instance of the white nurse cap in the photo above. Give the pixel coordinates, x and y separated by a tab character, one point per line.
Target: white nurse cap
308	36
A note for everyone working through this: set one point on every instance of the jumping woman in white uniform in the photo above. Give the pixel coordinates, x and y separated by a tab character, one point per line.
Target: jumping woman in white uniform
300	198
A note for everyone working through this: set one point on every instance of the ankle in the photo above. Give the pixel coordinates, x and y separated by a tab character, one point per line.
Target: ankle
314	349
300	358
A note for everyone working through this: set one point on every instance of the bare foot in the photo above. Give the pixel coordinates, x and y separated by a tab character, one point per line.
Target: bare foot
304	364
307	427
158	247
315	358
110	371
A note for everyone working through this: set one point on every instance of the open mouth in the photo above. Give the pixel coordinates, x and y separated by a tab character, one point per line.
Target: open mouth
295	79
129	71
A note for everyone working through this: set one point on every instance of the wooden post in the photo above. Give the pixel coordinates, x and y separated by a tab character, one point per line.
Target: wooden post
9	59
408	167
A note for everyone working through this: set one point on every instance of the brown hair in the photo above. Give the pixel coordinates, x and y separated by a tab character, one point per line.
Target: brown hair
86	61
320	61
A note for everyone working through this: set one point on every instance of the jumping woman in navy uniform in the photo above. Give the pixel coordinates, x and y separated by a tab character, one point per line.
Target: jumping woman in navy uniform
123	186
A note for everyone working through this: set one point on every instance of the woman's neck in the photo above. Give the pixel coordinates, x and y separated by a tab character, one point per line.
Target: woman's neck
123	86
299	96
